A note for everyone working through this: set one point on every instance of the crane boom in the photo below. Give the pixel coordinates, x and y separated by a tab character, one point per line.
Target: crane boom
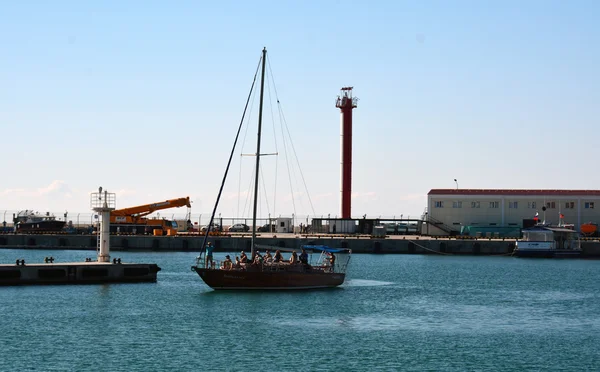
144	210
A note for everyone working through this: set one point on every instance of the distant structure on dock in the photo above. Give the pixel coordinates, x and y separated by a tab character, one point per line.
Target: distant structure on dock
504	212
100	271
103	204
346	103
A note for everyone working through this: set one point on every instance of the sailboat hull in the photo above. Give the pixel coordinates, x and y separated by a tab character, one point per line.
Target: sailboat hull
234	279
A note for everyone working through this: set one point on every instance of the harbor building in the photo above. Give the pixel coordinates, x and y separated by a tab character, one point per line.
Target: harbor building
503	212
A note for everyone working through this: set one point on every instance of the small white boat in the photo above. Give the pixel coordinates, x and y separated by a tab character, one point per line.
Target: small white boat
547	241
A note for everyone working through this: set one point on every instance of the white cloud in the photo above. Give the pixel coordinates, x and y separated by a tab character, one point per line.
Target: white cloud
56	187
55	197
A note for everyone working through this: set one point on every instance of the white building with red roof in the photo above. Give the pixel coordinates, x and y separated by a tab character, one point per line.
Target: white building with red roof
454	208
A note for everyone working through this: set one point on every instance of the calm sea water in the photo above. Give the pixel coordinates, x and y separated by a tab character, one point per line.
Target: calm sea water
395	312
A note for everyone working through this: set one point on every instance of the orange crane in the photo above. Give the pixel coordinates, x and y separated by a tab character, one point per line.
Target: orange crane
133	220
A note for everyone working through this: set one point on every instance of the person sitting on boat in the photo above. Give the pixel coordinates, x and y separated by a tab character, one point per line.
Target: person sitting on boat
209	255
243	258
278	257
258	258
227	264
304	257
268	257
293	258
238	263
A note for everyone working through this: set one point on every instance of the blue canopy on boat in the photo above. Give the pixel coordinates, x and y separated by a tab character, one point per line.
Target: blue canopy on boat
325	248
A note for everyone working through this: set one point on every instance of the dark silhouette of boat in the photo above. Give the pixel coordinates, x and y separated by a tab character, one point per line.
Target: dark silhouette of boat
28	221
280	275
261	273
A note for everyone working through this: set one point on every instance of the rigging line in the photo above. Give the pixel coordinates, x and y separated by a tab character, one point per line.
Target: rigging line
297	160
250	192
262	178
212	216
239	187
287	163
283	136
269	82
242	150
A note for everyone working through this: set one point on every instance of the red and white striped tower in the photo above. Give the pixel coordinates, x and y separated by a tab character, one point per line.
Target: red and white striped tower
345	102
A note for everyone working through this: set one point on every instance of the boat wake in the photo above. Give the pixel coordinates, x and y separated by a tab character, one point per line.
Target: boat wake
365	283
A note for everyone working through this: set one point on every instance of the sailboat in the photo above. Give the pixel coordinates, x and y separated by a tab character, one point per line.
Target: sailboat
327	272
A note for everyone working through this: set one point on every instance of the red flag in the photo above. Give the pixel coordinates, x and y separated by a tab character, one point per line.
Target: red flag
562	215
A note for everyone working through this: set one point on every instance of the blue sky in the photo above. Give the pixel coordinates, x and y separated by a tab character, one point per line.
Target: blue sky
144	99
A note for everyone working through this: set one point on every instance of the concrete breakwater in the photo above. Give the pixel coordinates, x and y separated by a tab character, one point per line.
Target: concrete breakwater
397	244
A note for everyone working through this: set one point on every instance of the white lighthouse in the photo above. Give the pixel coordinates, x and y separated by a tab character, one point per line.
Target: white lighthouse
103	203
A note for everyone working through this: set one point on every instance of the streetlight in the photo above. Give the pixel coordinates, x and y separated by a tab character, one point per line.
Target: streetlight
456	183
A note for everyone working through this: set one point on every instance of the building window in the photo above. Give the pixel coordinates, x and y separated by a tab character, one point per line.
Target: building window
494	204
589	205
551	205
492	224
456	223
456	204
570	205
513	204
475	204
439	204
531	205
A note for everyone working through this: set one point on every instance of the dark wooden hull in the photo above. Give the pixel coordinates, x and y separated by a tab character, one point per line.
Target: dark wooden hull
238	279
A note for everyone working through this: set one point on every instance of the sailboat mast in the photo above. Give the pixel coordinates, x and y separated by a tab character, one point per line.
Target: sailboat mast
260	110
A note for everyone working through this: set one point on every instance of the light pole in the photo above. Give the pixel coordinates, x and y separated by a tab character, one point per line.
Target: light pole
78	219
456	183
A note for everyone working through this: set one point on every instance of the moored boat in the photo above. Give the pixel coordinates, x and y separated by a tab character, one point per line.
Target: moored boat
549	242
28	221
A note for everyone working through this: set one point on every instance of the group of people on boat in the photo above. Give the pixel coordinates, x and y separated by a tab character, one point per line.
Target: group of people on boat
242	260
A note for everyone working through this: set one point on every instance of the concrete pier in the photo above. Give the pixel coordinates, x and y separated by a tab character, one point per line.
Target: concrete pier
192	243
22	273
